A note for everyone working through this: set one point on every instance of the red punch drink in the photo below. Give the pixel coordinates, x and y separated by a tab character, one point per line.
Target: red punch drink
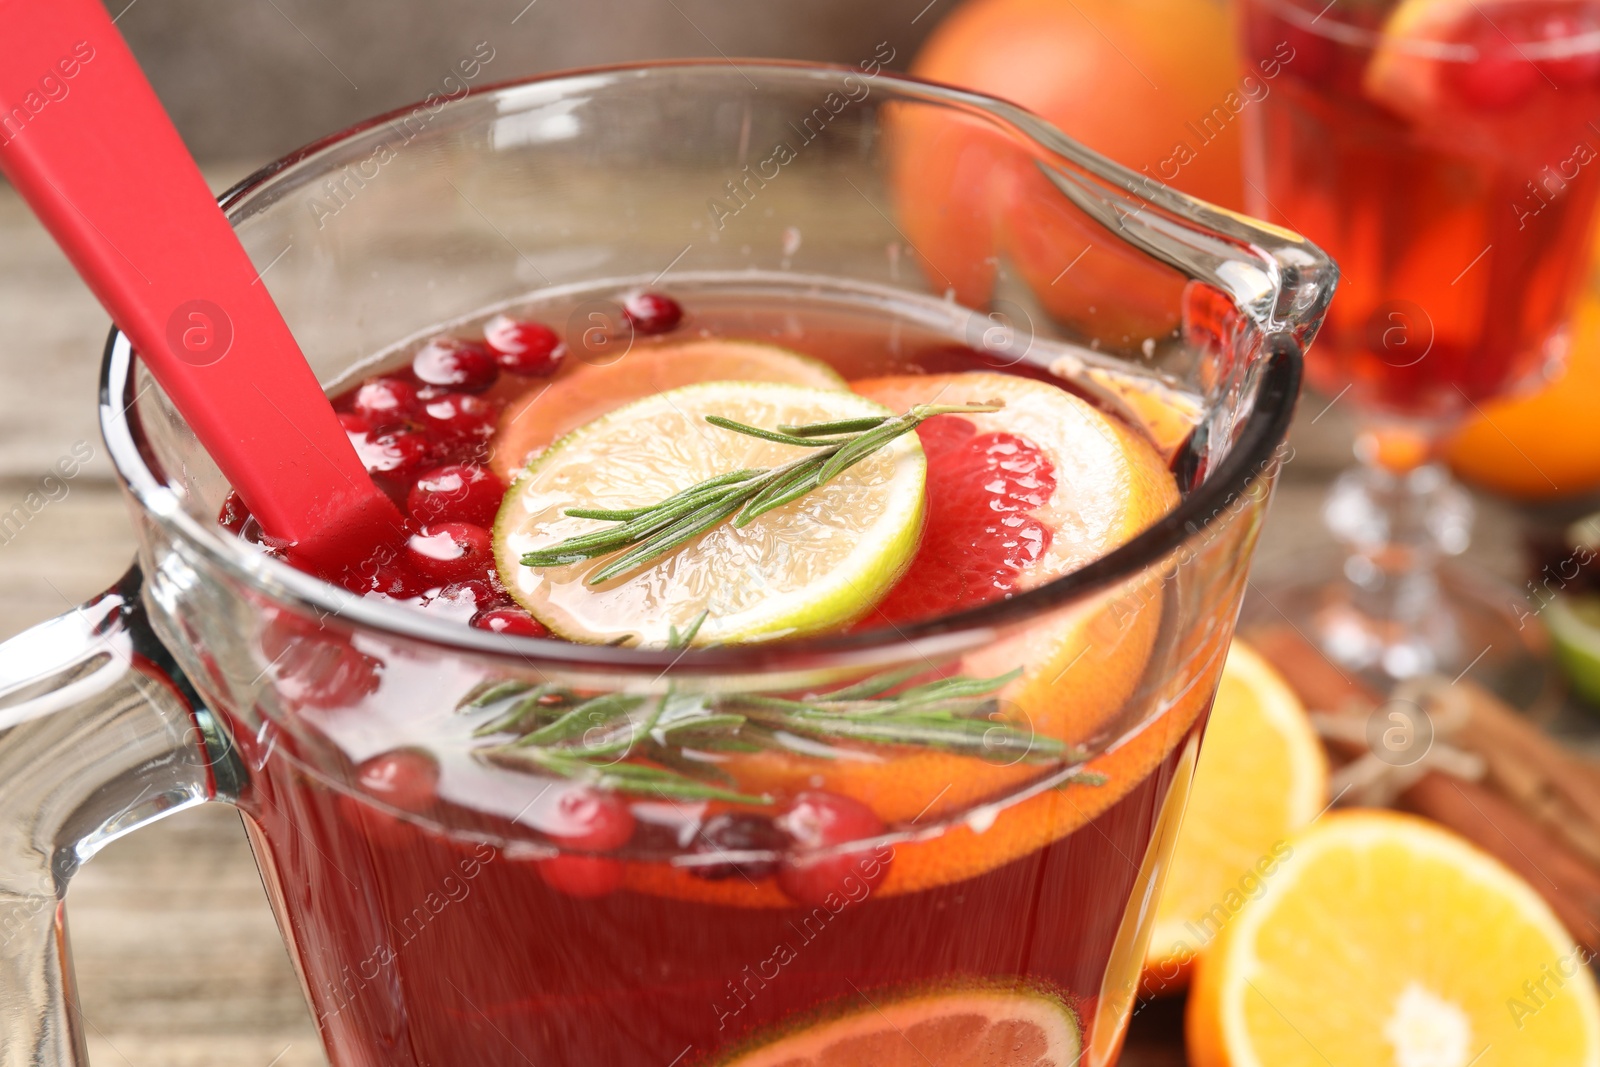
953	854
787	648
1441	152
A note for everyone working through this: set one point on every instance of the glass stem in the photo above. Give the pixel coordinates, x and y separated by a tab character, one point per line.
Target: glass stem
1397	523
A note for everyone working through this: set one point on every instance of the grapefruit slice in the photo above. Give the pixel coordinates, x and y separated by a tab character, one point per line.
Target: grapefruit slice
1262	777
587	391
1084	480
1065	470
989	1027
812	565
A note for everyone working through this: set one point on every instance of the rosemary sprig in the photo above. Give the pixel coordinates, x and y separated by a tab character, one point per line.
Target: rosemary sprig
645	534
600	738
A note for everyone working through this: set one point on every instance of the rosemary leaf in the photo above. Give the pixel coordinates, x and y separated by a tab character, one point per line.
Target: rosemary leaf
873	685
598	711
676	640
532	705
654	530
962	686
628	514
487	693
1083	778
669	539
766	435
822	429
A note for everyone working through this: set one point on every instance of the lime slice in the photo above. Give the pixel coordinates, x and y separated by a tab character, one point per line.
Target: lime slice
1574	625
998	1028
814	564
585	391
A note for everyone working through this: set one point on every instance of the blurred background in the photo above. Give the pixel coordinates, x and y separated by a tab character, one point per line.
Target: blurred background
253	80
177	954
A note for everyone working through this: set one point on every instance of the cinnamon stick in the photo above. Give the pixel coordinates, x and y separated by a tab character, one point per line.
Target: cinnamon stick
1537	808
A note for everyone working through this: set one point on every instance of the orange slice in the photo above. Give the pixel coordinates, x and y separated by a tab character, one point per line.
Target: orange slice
587	391
1262	776
1415	44
990	1027
1386	940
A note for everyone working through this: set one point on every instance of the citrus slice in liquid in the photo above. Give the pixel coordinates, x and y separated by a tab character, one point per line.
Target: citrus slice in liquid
815	564
1385	939
1423	39
585	391
1081	663
993	1028
1104	485
1262	776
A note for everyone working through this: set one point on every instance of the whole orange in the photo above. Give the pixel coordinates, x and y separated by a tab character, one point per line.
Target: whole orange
1125	77
1151	83
1546	444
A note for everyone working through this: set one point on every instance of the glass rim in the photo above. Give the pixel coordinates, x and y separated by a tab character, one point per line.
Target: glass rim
1334	29
1262	430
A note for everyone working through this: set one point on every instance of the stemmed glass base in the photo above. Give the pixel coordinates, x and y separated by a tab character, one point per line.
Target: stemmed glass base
1402	608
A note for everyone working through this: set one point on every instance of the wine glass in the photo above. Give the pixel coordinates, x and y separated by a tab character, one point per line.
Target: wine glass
1439	151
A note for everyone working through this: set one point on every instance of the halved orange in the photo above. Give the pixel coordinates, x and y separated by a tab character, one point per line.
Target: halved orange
586	391
1262	776
1387	940
996	1028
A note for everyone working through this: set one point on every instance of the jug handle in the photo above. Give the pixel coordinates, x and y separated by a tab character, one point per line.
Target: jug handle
99	734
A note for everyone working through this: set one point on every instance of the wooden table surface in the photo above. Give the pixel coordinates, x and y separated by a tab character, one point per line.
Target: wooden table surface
178	958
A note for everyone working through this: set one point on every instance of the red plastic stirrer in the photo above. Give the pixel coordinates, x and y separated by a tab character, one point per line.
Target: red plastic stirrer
86	141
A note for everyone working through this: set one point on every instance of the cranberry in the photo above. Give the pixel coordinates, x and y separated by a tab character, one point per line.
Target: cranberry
513	621
460	417
465	366
462	600
581	876
462	492
404	778
651	312
589	820
233	515
450	551
354	424
399	453
818	868
1581	67
385	402
396	579
1500	78
738	831
527	348
468	598
316	667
